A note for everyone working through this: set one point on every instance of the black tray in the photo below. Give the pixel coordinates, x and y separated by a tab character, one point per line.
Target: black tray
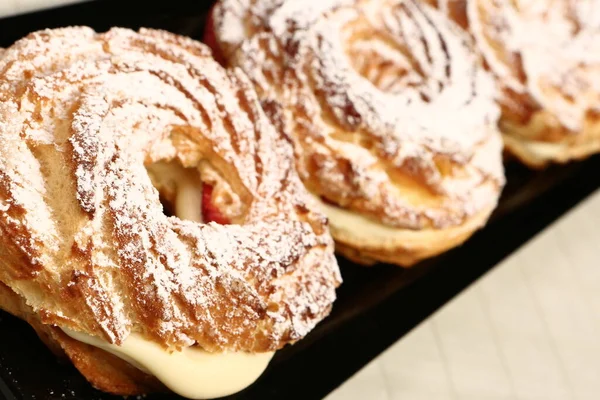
375	307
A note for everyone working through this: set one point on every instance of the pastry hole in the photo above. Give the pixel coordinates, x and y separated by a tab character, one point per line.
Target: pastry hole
168	207
180	190
183	193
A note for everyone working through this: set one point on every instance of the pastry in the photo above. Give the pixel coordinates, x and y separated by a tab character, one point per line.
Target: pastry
545	56
96	129
392	117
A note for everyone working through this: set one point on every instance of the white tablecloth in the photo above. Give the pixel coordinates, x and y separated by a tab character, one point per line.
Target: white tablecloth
527	330
13	7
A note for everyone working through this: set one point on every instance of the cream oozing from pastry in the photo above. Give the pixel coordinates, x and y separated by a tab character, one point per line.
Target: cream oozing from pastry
373	234
191	372
100	107
547	150
345	220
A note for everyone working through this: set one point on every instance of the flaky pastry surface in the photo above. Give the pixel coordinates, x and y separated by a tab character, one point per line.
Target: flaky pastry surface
83	237
545	56
391	115
390	111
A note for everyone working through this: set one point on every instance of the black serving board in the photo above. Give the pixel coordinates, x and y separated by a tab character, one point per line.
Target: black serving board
376	306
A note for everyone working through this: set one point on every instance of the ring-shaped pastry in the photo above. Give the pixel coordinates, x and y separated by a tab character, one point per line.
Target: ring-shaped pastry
94	130
545	57
391	114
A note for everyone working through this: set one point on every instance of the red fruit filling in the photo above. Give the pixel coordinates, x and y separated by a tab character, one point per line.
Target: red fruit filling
210	213
211	41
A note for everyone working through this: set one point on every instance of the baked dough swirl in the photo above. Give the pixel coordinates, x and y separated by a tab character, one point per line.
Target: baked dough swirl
392	116
545	56
84	241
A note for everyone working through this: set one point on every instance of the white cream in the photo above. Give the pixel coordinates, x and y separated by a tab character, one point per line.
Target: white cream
192	372
371	232
188	204
187	185
545	150
405	245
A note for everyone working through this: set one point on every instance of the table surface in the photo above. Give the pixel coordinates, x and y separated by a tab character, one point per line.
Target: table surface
526	330
14	7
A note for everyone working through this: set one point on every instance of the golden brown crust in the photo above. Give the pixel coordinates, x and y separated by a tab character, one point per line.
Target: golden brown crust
83	237
391	114
103	370
544	56
408	247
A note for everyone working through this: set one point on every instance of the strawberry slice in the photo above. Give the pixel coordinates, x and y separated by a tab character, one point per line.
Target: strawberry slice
210	213
211	41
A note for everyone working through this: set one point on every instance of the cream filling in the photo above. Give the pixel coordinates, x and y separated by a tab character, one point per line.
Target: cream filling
357	225
559	151
188	203
543	152
186	184
191	372
546	150
360	231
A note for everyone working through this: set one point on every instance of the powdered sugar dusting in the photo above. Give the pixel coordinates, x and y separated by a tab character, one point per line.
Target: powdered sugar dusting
96	107
545	51
375	93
